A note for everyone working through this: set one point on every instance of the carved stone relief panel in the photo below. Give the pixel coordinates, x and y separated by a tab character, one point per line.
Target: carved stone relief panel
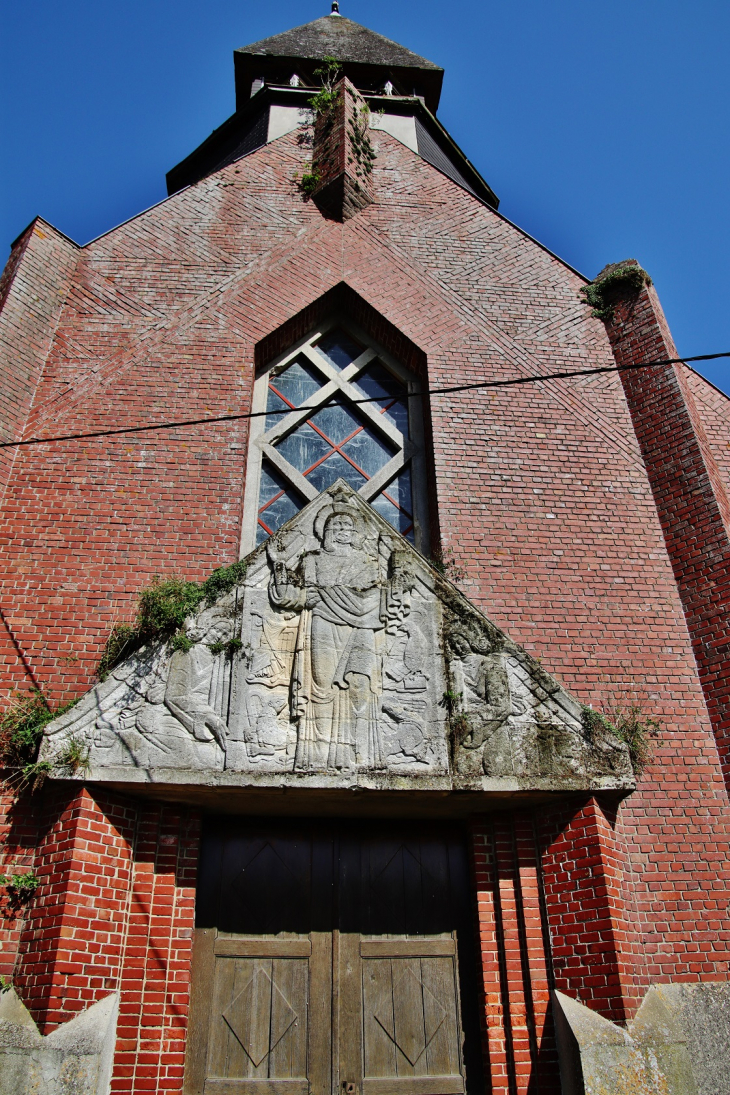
353	661
514	719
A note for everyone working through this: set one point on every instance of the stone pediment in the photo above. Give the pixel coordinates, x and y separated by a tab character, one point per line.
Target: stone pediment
342	659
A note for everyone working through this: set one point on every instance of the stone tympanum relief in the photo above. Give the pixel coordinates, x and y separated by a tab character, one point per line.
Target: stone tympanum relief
343	658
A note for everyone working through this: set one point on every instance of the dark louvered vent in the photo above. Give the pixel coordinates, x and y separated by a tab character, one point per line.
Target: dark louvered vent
220	150
432	153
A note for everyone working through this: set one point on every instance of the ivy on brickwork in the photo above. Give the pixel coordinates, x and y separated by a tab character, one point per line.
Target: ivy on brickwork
321	105
20	886
21	732
631	726
363	154
162	609
614	283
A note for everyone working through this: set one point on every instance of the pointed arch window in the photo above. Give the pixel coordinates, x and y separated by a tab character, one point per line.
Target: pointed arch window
323	434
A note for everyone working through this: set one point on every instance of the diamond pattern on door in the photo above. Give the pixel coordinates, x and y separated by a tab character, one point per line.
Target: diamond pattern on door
410	1015
259	1016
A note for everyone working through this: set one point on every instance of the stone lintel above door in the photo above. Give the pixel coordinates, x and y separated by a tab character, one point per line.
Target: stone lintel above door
342	661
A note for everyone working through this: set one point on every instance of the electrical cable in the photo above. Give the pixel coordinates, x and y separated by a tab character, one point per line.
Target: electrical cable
356	402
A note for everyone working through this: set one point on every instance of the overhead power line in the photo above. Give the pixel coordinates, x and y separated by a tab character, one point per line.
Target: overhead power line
567	375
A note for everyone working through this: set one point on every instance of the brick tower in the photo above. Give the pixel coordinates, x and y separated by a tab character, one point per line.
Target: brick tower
399	751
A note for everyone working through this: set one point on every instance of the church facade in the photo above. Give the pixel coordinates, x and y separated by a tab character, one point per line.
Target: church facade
364	635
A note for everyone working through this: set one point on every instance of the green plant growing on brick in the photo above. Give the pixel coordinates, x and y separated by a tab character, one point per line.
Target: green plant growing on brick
631	726
223	580
5	984
21	886
443	561
363	152
612	285
321	104
328	74
122	641
309	183
162	609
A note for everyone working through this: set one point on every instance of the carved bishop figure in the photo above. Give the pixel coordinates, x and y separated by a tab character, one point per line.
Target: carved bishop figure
336	676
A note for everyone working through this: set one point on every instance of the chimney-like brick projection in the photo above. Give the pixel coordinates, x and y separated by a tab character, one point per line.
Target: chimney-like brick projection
688	490
341	156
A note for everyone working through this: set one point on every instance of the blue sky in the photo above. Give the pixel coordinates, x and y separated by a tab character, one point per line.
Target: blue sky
602	127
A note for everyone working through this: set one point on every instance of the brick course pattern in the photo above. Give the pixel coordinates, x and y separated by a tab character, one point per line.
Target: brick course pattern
341	155
549	496
114	910
689	491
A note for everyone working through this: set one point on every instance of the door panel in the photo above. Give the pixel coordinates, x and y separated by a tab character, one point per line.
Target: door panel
411	1021
327	959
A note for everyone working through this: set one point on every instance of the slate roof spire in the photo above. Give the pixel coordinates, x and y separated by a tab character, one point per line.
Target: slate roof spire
368	60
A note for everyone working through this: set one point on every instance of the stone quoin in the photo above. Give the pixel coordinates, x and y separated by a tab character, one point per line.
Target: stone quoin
408	774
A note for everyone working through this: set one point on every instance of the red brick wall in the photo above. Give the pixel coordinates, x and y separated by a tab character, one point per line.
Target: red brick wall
713	410
32	292
114	911
18	840
689	493
514	942
542	493
340	155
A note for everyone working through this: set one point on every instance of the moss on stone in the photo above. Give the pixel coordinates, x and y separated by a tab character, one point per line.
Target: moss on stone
616	282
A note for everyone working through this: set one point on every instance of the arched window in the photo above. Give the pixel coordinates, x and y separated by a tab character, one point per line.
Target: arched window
376	447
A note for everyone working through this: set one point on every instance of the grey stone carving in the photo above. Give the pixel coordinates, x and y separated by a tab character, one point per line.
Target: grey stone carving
675	1045
355	662
75	1059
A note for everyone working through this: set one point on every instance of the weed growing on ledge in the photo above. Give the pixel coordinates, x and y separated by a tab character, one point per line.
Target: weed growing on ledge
74	757
21	732
309	183
228	648
631	726
612	285
443	561
162	609
328	74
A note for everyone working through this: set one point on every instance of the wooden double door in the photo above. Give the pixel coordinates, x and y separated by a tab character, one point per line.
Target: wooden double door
333	958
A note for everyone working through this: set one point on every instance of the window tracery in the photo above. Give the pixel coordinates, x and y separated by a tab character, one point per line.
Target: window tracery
376	447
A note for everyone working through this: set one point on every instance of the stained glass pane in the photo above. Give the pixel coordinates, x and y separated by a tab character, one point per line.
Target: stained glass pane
337	422
274	403
395	504
376	381
400	490
368	452
325	474
339	349
303	447
277	502
297	383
